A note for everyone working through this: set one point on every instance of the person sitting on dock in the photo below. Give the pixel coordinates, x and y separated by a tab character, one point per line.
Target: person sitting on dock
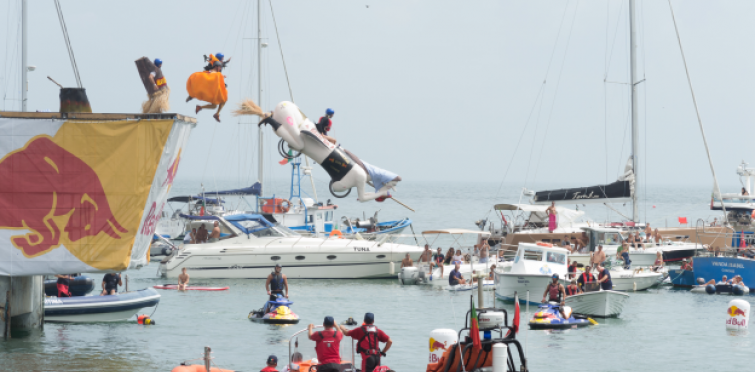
327	345
426	259
272	362
215	235
585	278
572	289
110	283
407	261
454	277
555	293
183	279
439	258
604	278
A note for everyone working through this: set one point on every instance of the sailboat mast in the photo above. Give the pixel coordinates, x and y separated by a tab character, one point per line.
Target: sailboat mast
24	62
261	133
635	127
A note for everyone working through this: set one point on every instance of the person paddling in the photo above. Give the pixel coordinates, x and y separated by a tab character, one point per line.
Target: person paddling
368	346
183	280
277	283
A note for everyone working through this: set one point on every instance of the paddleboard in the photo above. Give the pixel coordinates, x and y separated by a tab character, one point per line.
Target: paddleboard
190	288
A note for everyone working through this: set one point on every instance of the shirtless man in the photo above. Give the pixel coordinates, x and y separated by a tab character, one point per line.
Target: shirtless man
407	262
426	259
201	236
583	241
183	280
215	235
598	257
648	231
484	251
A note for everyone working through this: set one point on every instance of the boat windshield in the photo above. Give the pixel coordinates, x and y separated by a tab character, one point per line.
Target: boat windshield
285	230
558	258
533	255
612	238
277	231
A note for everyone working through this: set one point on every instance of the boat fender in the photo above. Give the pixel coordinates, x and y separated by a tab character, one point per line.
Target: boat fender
710	289
544	244
440	341
700	281
737	290
145	320
336	233
738	311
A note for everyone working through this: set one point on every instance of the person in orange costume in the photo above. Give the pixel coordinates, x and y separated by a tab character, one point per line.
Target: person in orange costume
208	86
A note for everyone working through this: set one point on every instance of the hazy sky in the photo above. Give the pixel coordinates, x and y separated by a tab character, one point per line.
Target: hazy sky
431	90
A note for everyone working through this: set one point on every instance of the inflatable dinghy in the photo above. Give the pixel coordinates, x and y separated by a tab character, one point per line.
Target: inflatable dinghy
94	309
78	286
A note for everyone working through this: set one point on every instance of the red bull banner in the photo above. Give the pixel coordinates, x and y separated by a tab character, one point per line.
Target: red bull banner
83	195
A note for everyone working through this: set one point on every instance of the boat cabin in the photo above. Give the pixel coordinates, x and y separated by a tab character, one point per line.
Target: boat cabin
239	224
540	258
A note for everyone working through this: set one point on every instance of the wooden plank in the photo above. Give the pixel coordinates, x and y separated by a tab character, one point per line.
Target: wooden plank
95	116
144	66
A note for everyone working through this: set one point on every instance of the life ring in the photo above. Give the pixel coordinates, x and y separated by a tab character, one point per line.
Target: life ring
544	244
285	206
337	233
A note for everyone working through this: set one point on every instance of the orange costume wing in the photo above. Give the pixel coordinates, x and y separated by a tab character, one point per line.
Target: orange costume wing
208	86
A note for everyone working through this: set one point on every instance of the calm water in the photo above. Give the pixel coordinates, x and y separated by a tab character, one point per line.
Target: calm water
661	329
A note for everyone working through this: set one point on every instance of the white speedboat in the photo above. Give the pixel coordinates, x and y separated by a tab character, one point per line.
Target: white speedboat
634	279
533	267
250	246
95	309
598	303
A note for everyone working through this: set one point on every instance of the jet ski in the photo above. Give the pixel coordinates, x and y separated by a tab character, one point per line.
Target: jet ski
548	317
275	312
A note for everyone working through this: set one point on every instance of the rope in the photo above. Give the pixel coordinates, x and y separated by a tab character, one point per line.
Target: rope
68	43
290	92
697	111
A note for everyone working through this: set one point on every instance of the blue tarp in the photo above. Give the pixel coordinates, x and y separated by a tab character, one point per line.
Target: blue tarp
242	222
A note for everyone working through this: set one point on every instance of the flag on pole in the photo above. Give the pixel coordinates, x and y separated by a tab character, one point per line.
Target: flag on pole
475	331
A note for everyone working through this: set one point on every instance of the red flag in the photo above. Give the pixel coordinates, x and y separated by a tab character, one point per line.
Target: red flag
475	331
516	314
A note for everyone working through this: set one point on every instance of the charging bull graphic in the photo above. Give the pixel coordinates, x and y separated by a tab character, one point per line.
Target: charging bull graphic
53	195
345	169
436	345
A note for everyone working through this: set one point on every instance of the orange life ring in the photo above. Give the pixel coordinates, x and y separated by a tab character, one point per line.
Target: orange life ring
337	233
276	205
544	244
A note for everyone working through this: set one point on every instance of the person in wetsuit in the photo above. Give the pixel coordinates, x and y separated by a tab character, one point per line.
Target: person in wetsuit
277	283
110	283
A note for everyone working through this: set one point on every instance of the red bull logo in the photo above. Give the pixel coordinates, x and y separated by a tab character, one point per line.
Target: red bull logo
735	311
54	195
172	171
436	345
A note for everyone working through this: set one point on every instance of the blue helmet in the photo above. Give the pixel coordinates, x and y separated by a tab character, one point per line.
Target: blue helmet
329	112
219	56
158	62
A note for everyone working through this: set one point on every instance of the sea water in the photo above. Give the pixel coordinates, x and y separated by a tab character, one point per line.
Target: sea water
660	329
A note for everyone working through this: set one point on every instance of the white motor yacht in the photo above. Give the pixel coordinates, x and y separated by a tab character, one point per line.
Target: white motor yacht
634	279
533	267
250	246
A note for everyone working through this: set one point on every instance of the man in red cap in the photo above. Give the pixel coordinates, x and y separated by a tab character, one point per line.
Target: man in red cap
368	346
327	345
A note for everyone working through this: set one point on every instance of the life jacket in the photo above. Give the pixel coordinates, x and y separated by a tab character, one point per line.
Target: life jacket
587	278
571	291
554	293
371	335
276	284
269	369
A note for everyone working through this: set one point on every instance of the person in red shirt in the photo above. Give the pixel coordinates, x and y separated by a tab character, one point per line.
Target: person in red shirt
327	345
368	345
272	362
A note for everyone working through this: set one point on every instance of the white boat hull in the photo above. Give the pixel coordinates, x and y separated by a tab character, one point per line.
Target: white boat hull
118	316
602	304
465	270
507	284
634	282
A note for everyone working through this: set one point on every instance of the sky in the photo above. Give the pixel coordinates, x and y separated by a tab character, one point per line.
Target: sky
528	93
